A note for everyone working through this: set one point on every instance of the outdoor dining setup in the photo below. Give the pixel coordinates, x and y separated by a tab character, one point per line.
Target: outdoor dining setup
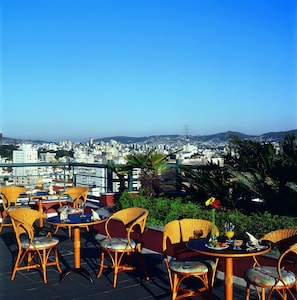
193	250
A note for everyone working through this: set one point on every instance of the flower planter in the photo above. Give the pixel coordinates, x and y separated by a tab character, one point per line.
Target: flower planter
107	199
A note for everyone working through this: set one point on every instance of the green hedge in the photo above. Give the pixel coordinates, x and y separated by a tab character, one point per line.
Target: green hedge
164	210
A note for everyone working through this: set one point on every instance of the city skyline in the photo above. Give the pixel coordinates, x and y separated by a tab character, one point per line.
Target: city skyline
77	69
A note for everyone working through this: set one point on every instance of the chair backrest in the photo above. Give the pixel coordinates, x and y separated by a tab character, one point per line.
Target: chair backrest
178	232
78	194
290	253
133	218
10	195
282	238
23	220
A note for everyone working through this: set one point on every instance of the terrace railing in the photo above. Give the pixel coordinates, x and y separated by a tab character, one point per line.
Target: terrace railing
98	177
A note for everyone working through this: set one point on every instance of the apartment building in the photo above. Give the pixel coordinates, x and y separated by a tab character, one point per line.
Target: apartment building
26	176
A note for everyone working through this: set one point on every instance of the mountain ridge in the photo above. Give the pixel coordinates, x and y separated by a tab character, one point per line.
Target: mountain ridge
217	137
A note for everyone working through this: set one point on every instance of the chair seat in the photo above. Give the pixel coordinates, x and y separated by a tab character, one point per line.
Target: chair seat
118	244
268	276
191	266
40	242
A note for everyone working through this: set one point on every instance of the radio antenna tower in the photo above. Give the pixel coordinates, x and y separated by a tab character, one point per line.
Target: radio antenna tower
187	132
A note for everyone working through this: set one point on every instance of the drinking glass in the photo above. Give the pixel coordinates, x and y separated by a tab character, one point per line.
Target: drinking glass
229	231
237	244
64	215
82	209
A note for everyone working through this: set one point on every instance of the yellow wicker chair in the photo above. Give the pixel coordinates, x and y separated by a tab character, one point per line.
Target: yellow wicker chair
176	234
277	278
77	195
33	251
122	240
282	238
10	195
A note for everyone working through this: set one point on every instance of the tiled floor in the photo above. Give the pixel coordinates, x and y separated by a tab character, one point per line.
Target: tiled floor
29	285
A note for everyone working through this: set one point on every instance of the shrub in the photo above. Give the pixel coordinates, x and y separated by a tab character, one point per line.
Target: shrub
163	210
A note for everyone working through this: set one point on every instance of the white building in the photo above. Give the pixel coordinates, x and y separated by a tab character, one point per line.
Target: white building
25	175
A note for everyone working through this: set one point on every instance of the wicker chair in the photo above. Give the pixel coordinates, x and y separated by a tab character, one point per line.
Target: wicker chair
10	195
181	263
124	230
78	196
277	278
33	251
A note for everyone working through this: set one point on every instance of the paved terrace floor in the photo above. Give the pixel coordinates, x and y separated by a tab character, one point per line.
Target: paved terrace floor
131	285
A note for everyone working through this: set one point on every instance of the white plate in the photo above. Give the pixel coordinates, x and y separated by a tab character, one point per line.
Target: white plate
216	248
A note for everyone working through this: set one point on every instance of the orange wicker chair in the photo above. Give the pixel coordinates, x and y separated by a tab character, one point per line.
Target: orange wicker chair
10	195
277	278
282	238
33	251
122	240
178	263
78	196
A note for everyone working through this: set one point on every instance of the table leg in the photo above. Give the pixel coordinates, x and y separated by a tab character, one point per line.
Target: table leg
77	268
76	238
40	209
229	279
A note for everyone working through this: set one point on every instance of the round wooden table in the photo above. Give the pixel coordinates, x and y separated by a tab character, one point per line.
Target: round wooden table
200	246
76	221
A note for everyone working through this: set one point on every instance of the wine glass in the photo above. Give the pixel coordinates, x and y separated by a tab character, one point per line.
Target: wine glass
229	231
237	244
81	207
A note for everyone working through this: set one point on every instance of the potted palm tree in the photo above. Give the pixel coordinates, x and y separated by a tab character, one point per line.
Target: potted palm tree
152	165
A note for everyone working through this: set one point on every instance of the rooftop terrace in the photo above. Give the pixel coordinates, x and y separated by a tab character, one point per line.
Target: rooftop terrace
131	285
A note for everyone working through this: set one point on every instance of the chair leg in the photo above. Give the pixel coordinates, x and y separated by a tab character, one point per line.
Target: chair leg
174	286
247	292
43	259
101	265
213	272
209	286
169	273
116	264
57	259
263	296
4	215
56	229
17	261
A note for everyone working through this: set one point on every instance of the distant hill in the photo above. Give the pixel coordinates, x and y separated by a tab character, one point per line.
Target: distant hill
277	136
16	141
218	137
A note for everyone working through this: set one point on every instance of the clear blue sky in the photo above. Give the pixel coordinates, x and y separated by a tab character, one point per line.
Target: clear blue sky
75	69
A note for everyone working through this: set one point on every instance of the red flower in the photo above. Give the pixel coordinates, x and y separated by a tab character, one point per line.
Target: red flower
216	204
213	202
